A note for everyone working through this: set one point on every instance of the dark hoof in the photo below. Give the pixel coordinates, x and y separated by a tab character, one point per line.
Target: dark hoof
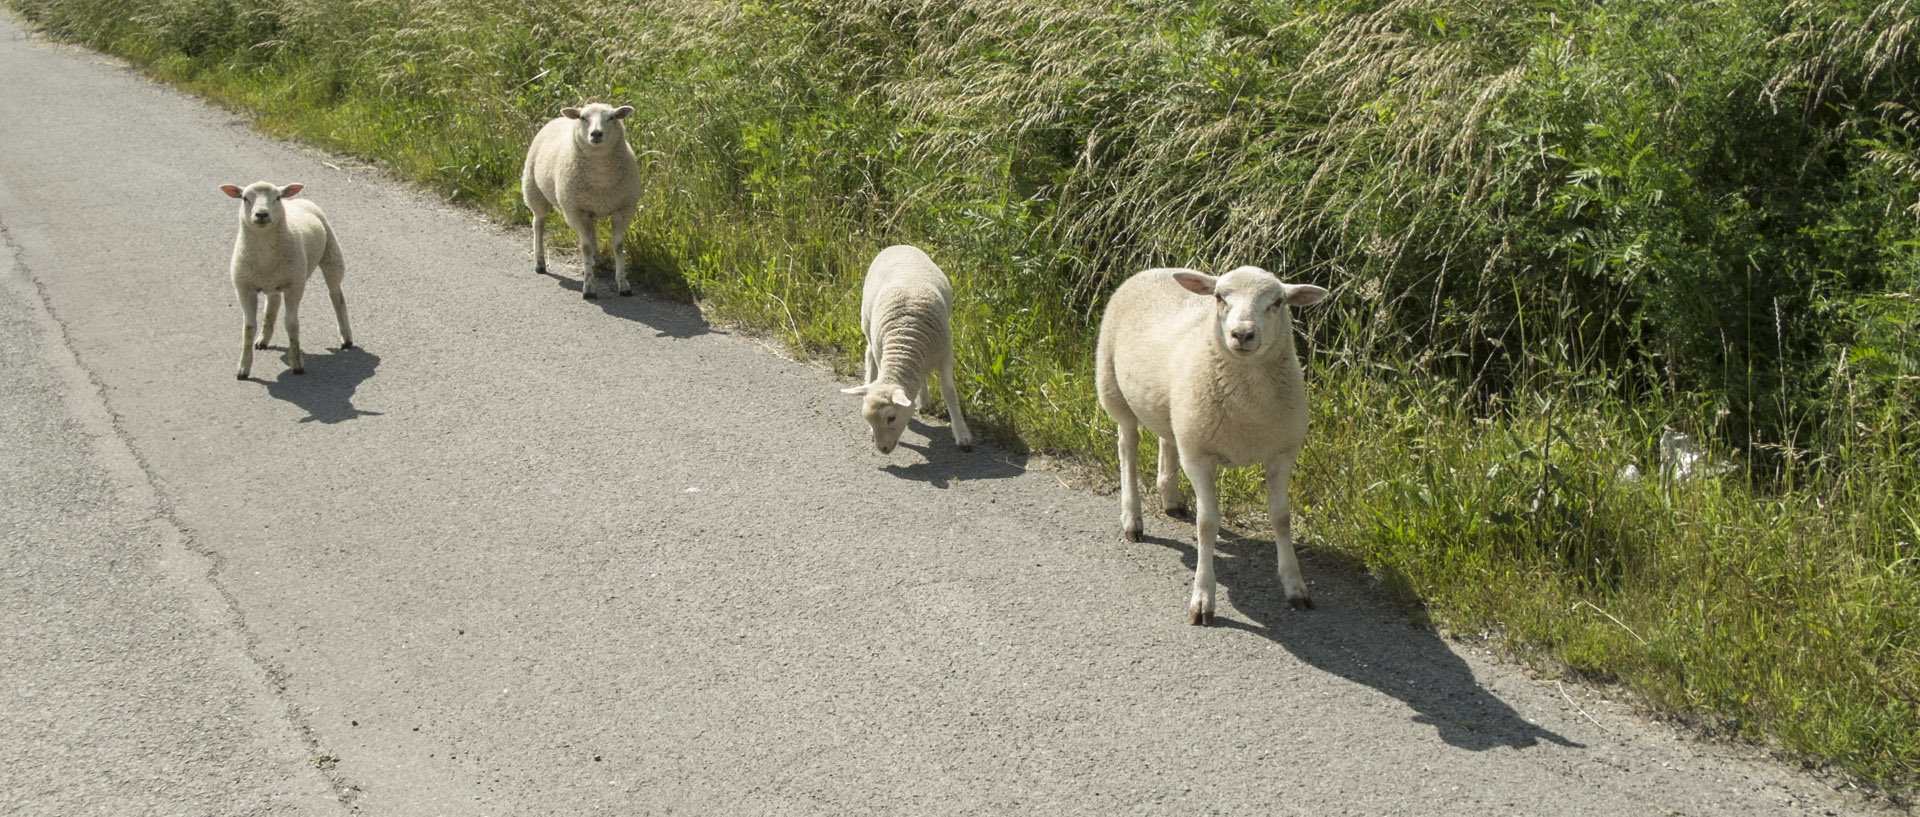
626	293
1199	619
966	448
347	345
240	376
260	345
1132	534
539	269
1182	514
1302	603
590	295
299	371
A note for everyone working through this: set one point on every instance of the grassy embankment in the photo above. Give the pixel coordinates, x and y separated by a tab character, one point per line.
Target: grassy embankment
1553	229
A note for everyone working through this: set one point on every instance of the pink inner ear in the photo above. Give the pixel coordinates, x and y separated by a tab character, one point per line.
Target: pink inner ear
570	113
291	190
1195	283
1305	294
231	190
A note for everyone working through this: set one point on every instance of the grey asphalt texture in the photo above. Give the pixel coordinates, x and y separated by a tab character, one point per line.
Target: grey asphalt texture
523	554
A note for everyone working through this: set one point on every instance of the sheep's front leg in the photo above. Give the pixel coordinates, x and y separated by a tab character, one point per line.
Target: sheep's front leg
1200	472
295	360
250	314
1167	479
1279	473
619	221
962	436
266	328
1129	434
582	225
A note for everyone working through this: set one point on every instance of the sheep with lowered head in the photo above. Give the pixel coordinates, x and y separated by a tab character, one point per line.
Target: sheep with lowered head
1208	364
281	240
905	306
581	163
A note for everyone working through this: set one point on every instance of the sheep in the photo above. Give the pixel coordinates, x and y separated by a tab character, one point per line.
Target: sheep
904	309
1218	380
280	242
581	163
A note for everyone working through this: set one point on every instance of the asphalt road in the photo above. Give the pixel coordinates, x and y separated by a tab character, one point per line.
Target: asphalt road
522	554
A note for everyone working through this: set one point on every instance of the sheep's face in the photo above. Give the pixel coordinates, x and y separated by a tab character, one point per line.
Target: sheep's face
1250	306
260	202
598	123
887	410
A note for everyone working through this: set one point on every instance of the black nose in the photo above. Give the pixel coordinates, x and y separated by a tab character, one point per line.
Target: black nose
1243	334
596	136
261	217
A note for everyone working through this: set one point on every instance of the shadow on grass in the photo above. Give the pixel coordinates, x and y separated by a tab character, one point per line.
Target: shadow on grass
1382	652
325	392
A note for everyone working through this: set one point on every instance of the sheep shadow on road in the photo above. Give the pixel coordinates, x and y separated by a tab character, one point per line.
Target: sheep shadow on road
944	464
326	390
1354	638
668	318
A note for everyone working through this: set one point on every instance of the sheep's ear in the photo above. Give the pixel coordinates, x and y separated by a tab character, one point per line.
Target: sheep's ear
1304	294
1198	283
570	113
856	390
232	190
291	190
623	112
900	398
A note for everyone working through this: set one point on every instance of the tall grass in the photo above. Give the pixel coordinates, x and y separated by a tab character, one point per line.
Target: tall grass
1555	231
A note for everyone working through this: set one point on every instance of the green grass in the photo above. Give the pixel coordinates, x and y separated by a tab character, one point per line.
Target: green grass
1553	231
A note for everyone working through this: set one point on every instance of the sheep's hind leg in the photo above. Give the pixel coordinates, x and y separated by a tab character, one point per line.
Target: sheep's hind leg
1279	473
619	226
333	268
295	361
962	436
273	314
540	207
1207	524
340	314
582	225
1129	480
1129	434
1167	479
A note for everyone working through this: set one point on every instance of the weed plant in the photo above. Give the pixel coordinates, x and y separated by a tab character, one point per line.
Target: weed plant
1555	231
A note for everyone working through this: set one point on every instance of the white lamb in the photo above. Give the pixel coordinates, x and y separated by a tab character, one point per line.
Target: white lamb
1208	364
904	309
279	245
582	164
